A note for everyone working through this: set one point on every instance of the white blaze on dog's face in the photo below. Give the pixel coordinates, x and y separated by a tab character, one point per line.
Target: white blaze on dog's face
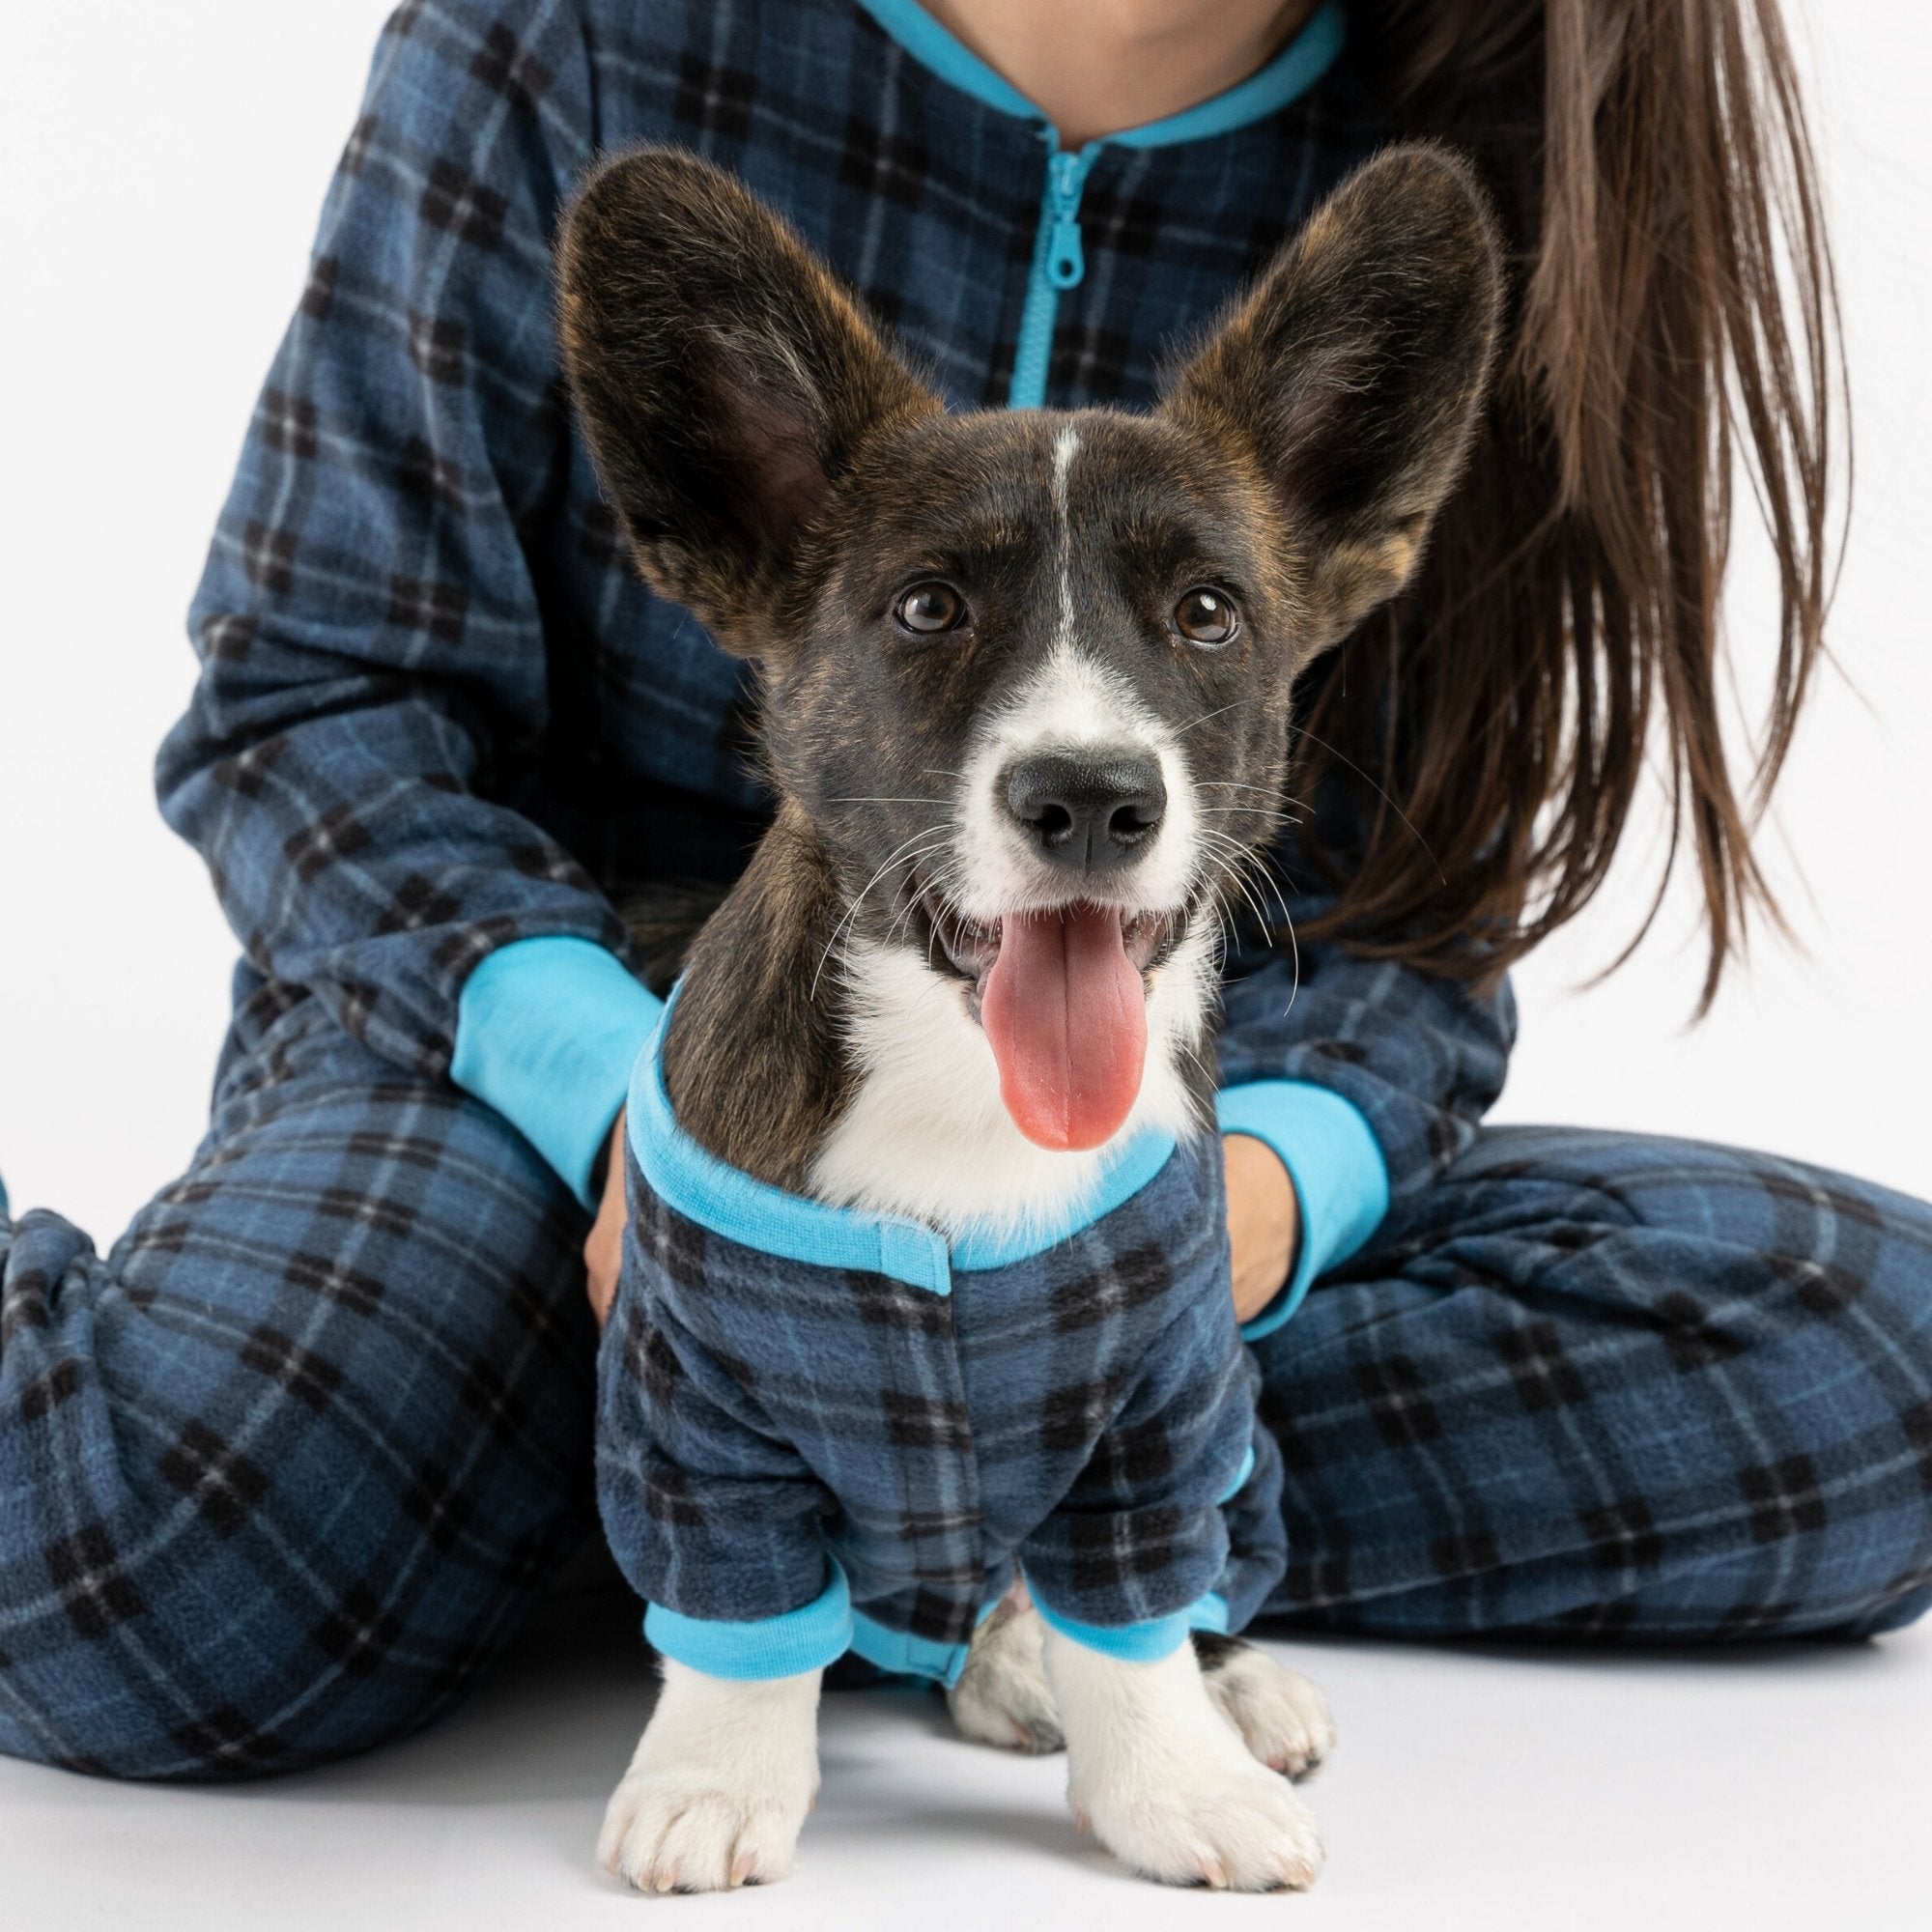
1027	675
1076	870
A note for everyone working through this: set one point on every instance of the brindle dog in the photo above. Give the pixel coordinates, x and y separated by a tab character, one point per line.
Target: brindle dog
1027	680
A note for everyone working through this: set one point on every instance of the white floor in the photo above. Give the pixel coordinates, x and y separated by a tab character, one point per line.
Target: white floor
1784	1787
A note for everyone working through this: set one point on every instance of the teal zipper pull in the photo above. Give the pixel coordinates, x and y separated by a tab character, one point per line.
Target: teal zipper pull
1065	261
1059	264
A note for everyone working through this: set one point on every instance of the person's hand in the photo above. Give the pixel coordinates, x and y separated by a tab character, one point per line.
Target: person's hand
603	1245
1264	1221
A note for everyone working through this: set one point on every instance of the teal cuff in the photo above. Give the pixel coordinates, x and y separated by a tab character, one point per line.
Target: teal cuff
902	1654
1333	1158
807	1638
1144	1642
547	1030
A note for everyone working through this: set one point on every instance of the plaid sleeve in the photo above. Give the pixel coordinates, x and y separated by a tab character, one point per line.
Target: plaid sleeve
369	622
714	1518
1125	1562
1367	1078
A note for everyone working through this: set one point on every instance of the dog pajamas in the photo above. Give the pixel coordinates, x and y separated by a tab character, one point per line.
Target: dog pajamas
823	1430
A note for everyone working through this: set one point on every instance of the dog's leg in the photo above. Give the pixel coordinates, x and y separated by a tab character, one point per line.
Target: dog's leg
1164	1780
1282	1718
721	1783
1002	1698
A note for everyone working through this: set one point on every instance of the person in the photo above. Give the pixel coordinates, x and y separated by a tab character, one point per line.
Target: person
282	1473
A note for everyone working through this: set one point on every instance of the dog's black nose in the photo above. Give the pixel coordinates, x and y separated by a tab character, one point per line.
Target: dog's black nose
1086	811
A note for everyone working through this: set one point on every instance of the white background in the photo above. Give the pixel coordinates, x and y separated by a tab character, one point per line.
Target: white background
160	170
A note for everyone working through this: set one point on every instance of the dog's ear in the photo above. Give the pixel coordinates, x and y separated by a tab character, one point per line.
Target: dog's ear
724	381
1354	372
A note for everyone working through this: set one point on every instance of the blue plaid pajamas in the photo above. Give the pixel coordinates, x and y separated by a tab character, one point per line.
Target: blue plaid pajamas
820	1429
281	1472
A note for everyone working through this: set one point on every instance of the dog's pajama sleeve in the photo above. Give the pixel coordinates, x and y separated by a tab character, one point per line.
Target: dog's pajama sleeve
372	634
1129	1560
713	1518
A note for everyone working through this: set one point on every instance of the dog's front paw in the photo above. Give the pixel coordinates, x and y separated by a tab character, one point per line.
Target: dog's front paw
721	1783
1282	1718
689	1832
1208	1816
1166	1783
1002	1698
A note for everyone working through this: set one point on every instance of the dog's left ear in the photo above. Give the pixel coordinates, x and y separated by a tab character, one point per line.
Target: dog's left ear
1355	371
723	380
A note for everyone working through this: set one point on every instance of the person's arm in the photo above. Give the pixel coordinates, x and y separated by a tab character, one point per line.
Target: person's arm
1363	1079
375	677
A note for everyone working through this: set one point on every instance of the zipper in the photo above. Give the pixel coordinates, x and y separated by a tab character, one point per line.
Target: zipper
1059	263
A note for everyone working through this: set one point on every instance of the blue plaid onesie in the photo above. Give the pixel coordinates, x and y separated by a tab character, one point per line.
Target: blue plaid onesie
822	1429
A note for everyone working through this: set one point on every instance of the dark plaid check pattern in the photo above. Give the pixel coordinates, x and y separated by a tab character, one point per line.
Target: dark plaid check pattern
1595	1385
1085	1411
280	1473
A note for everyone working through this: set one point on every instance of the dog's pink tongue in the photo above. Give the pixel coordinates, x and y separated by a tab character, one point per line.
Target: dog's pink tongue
1064	1009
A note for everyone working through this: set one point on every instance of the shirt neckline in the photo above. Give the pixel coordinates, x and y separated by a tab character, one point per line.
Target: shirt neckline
1308	55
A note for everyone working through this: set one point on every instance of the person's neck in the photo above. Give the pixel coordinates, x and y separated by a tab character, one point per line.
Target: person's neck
1095	66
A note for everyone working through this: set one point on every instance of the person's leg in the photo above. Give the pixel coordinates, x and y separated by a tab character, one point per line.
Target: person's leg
282	1473
1602	1385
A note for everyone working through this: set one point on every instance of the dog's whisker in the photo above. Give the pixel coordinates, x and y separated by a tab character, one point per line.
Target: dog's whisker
1389	801
1207	716
893	858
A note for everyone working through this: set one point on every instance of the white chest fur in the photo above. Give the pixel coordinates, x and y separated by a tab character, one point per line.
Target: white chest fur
925	1133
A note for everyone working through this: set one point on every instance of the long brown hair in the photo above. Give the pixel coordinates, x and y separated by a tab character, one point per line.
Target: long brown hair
1674	305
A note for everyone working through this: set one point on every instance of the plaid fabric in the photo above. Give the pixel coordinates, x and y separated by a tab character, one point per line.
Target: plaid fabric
1086	1410
280	1474
1597	1384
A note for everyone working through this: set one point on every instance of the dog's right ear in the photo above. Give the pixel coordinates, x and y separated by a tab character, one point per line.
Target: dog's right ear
724	381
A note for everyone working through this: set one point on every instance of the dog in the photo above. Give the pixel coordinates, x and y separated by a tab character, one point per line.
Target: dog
1027	682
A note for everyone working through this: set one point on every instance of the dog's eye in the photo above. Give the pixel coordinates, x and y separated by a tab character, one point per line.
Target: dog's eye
1205	617
931	607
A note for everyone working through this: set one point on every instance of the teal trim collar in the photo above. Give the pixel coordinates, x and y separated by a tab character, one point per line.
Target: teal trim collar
694	1181
1292	73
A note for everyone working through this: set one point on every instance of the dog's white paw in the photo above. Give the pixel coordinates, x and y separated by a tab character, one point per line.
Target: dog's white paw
1166	1784
721	1783
1002	1698
693	1834
1201	1818
1282	1719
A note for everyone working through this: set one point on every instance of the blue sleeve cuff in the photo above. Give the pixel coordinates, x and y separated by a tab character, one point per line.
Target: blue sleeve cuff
1336	1163
547	1030
1144	1642
807	1638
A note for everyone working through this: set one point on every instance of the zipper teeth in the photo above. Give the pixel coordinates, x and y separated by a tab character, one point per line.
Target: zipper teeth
1057	264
